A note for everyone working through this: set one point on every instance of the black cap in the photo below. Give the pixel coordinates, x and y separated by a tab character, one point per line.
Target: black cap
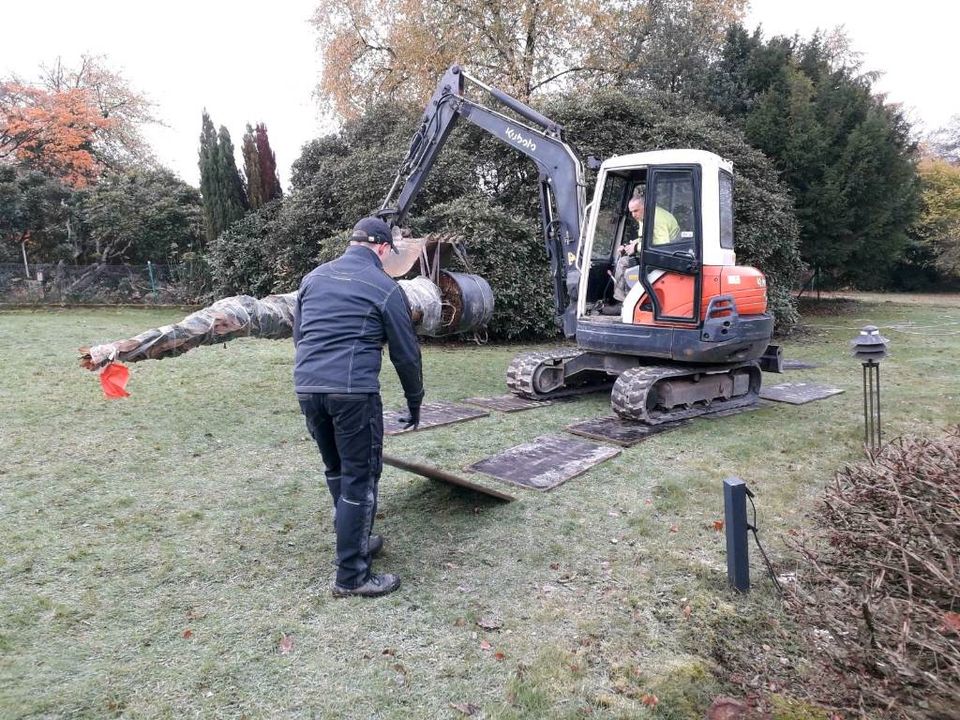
373	230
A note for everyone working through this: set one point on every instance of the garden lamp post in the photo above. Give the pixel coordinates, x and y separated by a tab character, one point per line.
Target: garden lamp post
869	347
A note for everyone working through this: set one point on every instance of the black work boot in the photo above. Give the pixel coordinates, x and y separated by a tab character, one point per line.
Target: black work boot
376	585
375	545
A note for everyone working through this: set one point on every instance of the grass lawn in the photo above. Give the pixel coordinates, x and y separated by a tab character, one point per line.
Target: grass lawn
169	555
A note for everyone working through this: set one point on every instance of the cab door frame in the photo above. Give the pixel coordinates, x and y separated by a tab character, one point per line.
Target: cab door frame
683	262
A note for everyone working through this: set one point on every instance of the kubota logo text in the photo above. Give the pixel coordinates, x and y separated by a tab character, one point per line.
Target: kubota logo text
520	139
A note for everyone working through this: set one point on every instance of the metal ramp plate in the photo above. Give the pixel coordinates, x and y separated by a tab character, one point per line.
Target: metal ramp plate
622	432
432	414
798	365
435	473
798	393
507	403
545	462
737	410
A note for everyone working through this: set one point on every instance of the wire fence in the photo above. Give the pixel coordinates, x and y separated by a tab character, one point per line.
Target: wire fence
101	284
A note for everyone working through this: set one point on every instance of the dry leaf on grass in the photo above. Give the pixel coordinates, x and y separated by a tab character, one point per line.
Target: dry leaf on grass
490	623
187	634
727	709
466	708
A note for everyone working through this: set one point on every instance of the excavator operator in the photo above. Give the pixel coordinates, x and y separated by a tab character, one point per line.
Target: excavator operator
665	230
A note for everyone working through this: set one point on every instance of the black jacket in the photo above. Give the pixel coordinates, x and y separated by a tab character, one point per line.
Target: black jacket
346	310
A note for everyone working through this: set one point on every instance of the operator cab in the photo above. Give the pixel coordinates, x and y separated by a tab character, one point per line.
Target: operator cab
681	221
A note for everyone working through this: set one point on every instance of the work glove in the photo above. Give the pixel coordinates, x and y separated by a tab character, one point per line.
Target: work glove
411	419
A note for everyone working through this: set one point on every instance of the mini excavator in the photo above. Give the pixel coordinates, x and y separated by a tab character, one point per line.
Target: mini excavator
692	333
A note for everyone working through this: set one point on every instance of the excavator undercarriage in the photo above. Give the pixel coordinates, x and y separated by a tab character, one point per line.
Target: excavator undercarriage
653	394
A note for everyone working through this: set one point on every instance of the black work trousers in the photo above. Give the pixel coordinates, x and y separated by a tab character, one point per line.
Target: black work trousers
348	430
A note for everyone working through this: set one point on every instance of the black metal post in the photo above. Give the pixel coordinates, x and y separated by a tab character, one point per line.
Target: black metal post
872	435
866	415
735	521
878	406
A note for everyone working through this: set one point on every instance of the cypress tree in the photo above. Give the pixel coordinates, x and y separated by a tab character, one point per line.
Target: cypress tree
208	178
251	169
224	197
268	166
233	194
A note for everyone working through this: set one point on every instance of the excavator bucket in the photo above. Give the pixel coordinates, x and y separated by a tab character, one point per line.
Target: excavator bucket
409	250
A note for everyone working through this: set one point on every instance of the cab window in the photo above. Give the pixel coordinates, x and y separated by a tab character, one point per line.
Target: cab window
609	217
674	221
726	210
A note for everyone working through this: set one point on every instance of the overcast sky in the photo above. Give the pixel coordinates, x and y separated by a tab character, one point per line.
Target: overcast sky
245	65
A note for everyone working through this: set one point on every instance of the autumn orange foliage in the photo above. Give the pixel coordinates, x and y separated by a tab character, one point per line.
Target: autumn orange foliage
51	131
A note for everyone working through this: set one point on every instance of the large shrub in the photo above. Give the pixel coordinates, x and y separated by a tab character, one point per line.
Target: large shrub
242	259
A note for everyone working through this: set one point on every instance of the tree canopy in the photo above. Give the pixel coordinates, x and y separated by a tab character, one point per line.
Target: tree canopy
139	215
938	225
846	155
74	123
398	49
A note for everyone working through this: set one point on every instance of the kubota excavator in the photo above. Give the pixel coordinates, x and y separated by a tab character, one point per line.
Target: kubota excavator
691	333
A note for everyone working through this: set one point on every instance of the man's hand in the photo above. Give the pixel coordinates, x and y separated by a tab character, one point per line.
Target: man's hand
411	419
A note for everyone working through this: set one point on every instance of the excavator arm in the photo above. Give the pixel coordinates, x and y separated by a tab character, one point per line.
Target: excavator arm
562	188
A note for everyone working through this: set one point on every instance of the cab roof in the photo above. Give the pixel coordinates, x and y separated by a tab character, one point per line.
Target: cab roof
704	158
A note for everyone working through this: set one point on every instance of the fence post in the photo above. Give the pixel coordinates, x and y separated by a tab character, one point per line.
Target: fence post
153	283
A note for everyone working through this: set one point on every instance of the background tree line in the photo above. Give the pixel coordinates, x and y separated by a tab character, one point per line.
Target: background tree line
78	183
829	175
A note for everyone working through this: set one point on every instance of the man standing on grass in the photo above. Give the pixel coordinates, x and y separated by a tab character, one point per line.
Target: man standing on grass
346	310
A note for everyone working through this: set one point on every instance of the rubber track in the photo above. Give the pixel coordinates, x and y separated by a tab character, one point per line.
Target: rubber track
522	369
630	392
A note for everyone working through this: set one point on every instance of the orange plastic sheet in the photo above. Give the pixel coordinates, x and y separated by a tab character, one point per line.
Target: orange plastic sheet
113	380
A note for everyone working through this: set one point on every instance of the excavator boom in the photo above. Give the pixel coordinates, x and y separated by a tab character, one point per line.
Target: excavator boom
562	187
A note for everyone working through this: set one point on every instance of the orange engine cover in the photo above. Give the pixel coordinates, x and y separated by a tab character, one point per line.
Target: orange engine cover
746	285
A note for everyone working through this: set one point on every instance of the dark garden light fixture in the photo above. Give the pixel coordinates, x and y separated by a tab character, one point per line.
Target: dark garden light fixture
870	347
